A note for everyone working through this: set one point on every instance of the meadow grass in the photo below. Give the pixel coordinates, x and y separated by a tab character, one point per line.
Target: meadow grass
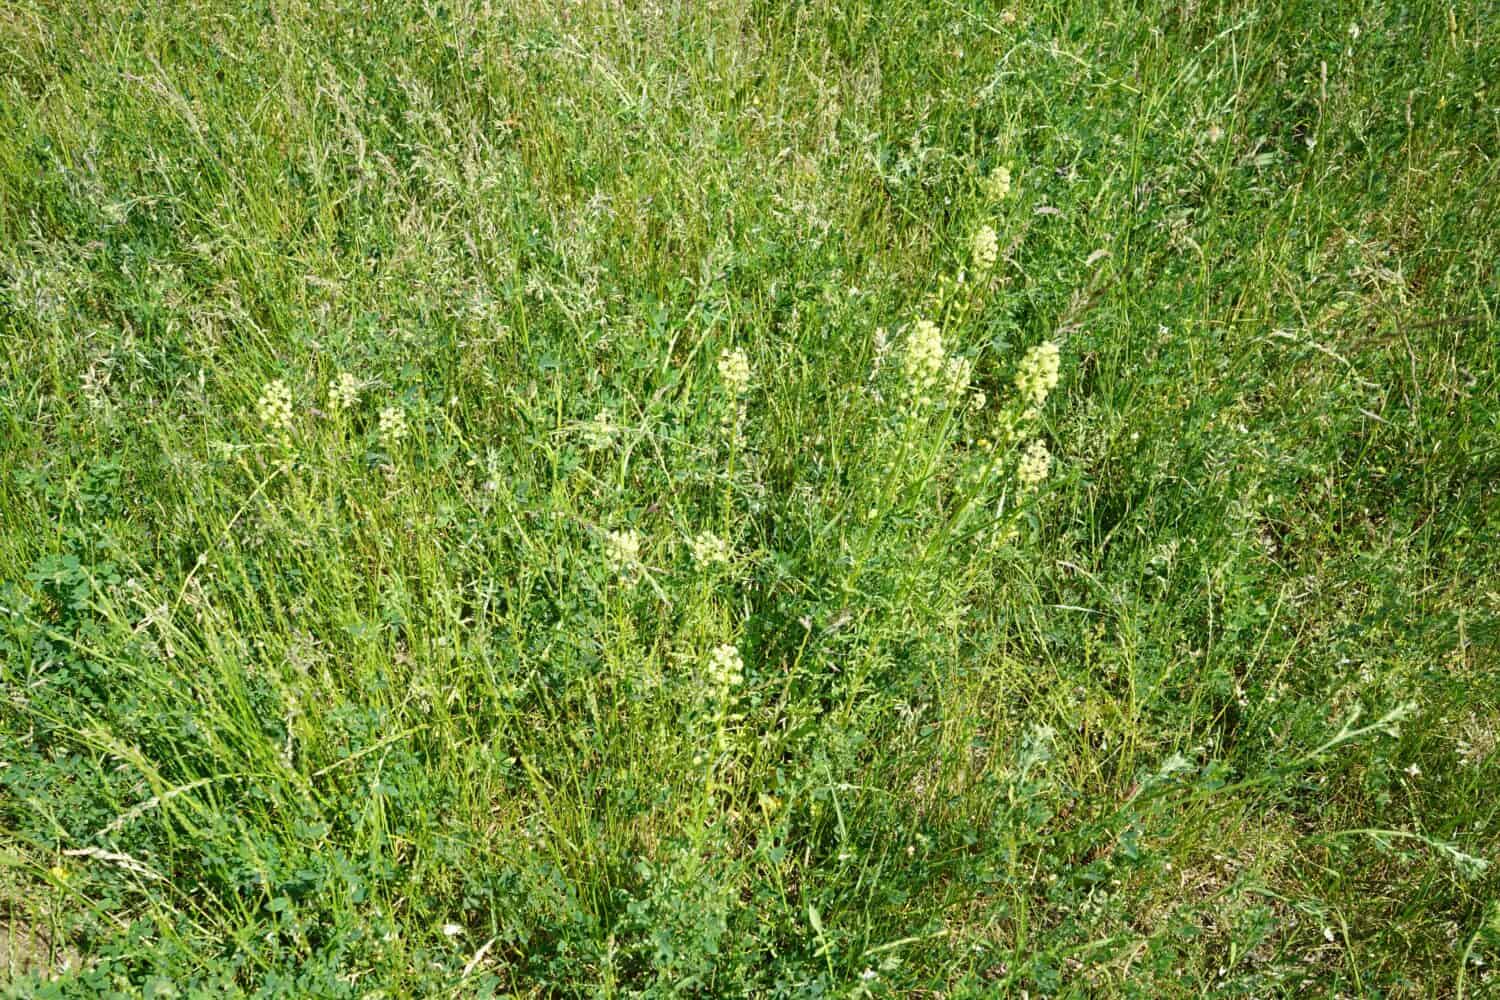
738	498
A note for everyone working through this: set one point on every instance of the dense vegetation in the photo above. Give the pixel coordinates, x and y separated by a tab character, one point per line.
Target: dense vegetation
733	498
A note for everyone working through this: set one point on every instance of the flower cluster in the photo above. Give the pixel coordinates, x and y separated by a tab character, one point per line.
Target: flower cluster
997	184
1037	375
924	361
986	249
1036	462
734	369
275	407
958	371
622	551
392	426
708	549
343	393
928	368
726	668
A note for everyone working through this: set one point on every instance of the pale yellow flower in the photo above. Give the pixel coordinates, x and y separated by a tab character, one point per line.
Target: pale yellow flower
959	371
924	361
275	407
1036	462
986	249
997	185
1038	373
393	428
708	548
343	392
726	668
734	369
622	552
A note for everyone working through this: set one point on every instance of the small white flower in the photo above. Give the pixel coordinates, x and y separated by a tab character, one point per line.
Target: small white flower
275	407
622	551
1036	462
708	549
726	669
343	392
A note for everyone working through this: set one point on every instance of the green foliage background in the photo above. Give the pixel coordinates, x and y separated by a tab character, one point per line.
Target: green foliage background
327	715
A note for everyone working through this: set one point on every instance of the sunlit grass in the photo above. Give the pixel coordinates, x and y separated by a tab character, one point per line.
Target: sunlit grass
745	499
